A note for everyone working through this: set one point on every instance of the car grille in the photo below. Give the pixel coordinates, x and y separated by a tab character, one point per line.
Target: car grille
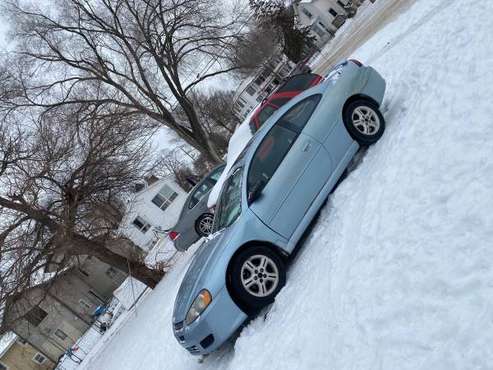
193	349
207	341
178	325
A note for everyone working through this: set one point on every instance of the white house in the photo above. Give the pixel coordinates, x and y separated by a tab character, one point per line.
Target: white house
323	17
261	84
154	207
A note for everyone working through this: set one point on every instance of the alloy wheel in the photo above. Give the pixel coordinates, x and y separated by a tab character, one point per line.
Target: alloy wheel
205	225
259	275
365	120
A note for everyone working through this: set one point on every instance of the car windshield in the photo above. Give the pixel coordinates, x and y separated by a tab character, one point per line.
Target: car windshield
204	188
229	205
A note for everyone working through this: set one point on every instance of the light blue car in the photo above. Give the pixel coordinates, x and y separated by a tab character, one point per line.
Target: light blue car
271	195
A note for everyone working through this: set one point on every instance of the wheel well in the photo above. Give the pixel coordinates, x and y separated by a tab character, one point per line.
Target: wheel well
357	97
232	294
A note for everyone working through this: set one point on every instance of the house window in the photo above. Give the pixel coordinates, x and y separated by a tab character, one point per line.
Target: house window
60	334
341	4
259	80
141	224
324	27
84	304
3	367
35	316
320	32
39	358
250	90
111	272
240	104
333	12
307	13
96	296
165	197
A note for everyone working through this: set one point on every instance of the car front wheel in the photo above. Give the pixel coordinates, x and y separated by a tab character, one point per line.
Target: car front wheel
257	275
364	121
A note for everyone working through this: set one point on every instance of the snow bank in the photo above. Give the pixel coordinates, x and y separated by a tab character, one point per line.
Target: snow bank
129	292
6	341
237	142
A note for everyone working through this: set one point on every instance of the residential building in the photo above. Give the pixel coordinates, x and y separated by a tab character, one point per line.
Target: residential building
155	206
323	17
261	84
53	314
18	354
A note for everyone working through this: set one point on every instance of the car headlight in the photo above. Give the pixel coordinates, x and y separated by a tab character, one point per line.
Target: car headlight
198	306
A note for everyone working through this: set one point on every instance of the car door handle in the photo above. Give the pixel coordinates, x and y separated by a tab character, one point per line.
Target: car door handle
307	146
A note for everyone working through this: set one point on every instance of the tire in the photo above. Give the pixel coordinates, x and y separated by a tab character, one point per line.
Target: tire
364	121
254	284
203	225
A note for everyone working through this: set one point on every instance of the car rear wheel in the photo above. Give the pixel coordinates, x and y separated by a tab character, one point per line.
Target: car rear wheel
204	223
364	121
257	275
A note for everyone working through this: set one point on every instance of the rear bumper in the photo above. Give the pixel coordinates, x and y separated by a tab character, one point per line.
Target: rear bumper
214	327
185	240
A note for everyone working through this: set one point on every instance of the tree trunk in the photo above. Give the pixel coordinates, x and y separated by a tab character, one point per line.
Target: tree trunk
205	146
136	269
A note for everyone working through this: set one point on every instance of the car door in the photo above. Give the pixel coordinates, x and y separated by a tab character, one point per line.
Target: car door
291	168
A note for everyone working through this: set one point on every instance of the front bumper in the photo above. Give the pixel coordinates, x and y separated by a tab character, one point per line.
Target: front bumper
214	326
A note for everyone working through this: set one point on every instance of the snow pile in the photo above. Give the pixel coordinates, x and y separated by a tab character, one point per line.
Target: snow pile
237	142
129	292
6	341
163	252
397	272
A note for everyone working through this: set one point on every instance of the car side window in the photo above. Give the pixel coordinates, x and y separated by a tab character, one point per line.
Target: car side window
269	156
277	142
216	174
296	118
199	193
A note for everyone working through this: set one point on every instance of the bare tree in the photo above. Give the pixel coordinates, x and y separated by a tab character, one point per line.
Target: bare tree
276	17
171	163
216	111
260	43
145	56
61	178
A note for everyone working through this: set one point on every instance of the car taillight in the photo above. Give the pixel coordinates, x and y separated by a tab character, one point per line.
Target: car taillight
357	62
173	235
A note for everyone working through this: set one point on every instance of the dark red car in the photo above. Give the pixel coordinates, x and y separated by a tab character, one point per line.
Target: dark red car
287	91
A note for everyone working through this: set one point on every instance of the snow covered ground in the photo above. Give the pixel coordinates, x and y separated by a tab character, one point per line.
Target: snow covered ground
397	273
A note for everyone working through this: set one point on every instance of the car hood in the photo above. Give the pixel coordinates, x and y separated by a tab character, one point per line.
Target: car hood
200	273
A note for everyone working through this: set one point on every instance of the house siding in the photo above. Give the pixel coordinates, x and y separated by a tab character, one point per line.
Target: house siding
141	205
68	304
20	357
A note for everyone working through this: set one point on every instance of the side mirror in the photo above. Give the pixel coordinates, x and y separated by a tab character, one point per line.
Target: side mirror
255	192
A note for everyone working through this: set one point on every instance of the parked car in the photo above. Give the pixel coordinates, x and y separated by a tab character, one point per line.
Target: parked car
271	195
195	219
293	86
